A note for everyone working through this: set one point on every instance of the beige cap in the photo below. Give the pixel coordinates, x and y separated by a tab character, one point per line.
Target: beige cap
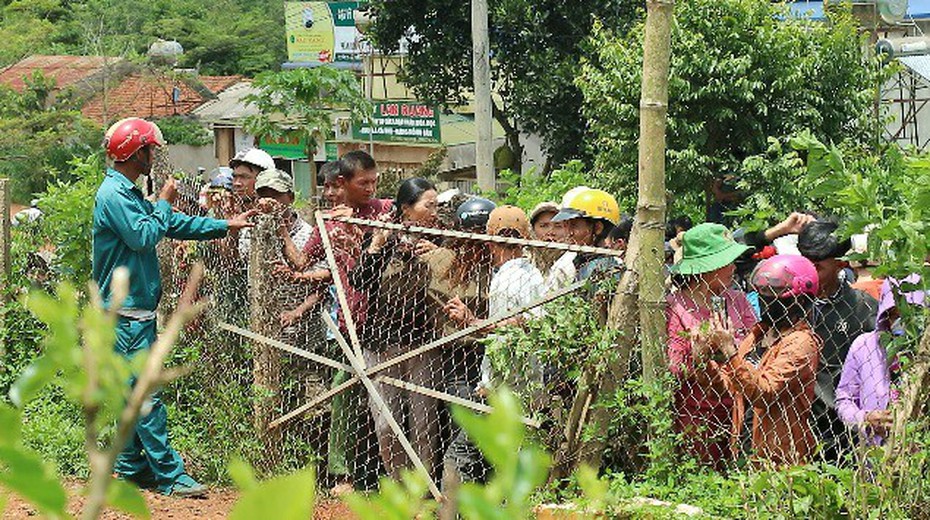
508	217
543	207
276	179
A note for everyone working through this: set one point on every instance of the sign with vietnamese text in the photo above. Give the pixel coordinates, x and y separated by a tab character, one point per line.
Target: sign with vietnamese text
321	32
401	121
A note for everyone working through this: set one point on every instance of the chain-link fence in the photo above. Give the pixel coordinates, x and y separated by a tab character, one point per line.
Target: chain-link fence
431	315
349	340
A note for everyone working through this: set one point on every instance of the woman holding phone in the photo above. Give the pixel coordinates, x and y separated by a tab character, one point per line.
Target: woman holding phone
703	404
395	279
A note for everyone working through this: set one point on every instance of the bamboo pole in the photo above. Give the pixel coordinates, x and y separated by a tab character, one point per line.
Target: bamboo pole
340	288
379	403
637	309
283	346
449	398
419	230
391	362
650	210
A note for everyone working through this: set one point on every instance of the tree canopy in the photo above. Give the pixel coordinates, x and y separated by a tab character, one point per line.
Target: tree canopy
39	138
743	73
535	46
219	37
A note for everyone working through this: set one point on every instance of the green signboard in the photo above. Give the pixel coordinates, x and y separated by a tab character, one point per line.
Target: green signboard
401	121
288	148
332	151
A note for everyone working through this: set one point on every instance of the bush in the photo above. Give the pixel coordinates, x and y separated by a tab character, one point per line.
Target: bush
184	130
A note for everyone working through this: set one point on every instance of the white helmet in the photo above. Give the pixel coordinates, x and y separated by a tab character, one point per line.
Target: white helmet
255	157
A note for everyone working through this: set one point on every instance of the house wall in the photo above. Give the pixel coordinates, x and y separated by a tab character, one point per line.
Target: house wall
188	158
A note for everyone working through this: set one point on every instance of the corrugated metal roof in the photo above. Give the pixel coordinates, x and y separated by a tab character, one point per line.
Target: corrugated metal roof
919	64
229	107
916	9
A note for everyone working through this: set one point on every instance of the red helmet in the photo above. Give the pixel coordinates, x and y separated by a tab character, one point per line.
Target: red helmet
126	136
786	276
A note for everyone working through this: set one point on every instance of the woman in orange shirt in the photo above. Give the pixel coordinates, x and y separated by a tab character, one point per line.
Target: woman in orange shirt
774	367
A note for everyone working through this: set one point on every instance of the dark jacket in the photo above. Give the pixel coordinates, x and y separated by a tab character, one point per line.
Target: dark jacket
838	321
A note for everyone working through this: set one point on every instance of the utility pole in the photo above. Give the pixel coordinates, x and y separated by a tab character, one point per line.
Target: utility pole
481	71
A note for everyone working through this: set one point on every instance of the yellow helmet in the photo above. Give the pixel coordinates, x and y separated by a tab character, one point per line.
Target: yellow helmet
584	202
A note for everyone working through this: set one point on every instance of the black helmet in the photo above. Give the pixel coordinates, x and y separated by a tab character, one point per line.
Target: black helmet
472	215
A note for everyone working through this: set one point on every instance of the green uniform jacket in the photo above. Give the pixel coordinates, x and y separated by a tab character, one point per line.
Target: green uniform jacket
126	229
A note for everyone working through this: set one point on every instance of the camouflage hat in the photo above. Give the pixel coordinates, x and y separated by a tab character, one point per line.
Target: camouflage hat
275	179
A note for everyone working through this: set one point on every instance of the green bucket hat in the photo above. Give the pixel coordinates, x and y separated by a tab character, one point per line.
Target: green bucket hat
707	247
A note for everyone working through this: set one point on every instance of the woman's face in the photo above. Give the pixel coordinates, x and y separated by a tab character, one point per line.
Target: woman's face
721	279
423	211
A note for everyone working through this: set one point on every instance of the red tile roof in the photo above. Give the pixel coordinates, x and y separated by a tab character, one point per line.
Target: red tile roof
217	84
66	70
149	93
152	95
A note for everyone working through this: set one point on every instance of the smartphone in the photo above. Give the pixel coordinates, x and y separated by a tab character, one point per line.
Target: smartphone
718	306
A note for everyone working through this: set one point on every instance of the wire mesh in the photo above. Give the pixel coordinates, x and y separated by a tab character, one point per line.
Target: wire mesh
806	372
350	396
271	288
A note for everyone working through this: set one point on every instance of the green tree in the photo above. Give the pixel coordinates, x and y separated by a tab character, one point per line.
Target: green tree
219	37
299	103
742	72
39	137
535	45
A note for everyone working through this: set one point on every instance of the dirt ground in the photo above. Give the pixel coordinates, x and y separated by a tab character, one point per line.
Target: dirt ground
217	504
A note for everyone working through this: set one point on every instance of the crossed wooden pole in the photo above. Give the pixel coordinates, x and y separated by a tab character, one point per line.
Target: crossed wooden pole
352	349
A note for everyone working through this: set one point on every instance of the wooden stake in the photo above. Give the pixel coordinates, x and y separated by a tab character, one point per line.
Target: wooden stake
5	230
379	403
266	364
340	289
371	371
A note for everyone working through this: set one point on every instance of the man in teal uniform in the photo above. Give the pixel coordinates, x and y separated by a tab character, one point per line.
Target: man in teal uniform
127	228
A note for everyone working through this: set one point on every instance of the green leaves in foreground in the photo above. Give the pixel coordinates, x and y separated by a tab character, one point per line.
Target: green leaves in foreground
24	473
395	500
289	497
519	467
126	497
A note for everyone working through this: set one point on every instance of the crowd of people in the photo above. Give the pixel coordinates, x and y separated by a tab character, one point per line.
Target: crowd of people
778	357
404	290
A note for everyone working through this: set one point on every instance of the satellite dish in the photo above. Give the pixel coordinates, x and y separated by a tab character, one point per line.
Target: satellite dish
892	11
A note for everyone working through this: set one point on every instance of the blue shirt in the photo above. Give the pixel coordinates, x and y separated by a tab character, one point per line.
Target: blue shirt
126	230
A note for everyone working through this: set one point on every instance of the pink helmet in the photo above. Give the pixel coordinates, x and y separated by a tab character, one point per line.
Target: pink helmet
786	276
126	136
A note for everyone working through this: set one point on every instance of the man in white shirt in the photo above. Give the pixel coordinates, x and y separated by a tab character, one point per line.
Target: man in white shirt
516	283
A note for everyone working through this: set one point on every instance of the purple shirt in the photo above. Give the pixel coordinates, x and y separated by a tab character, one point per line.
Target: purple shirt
865	384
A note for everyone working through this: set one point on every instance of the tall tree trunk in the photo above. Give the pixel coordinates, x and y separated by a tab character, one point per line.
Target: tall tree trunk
637	311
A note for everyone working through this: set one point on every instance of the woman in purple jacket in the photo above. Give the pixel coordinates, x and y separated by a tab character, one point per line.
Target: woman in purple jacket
868	384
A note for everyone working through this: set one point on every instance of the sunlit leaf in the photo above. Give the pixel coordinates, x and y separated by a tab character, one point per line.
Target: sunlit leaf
289	497
125	497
